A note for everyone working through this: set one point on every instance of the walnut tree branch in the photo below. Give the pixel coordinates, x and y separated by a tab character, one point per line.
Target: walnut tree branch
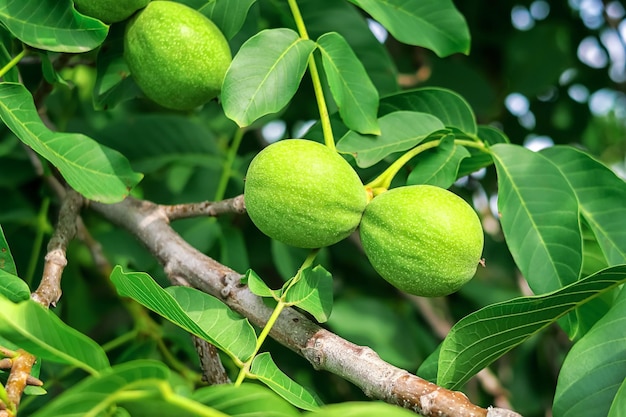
49	290
323	349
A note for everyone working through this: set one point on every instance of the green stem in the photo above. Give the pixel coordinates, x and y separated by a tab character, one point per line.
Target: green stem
280	306
12	63
120	340
381	183
329	139
228	166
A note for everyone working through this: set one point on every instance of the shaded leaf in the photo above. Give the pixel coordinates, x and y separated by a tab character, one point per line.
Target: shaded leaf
13	287
433	24
438	166
448	106
6	259
485	335
228	15
197	312
264	368
40	332
489	136
601	197
245	400
265	74
52	25
94	392
400	131
97	172
351	87
539	216
313	293
7	53
618	407
594	369
113	82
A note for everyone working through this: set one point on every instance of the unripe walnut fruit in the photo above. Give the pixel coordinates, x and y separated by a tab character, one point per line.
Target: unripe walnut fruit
304	194
176	55
109	11
422	239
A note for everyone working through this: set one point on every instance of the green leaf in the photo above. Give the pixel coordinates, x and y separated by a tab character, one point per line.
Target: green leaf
594	368
95	392
257	286
353	91
97	172
264	74
618	407
361	409
13	287
400	131
52	25
539	217
485	335
245	400
7	53
438	166
113	83
38	331
323	16
264	368
433	24
6	259
313	293
478	159
228	15
449	107
197	312
601	196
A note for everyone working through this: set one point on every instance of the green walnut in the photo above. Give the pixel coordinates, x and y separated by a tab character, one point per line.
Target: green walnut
110	11
304	194
177	56
422	239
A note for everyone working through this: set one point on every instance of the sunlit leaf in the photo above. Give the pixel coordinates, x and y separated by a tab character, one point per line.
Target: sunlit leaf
400	131
351	87
52	25
438	166
433	24
313	293
97	172
539	216
265	74
594	369
40	332
245	400
264	368
601	196
448	106
197	312
361	409
257	286
485	335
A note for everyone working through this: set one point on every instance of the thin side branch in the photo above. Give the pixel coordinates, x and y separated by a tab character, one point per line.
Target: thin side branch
323	349
49	290
204	208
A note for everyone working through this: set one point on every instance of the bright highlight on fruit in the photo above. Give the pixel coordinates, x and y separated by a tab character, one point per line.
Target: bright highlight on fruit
177	56
303	194
109	11
422	239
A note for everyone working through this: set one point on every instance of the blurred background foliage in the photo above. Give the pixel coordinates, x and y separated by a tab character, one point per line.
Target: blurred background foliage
544	72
